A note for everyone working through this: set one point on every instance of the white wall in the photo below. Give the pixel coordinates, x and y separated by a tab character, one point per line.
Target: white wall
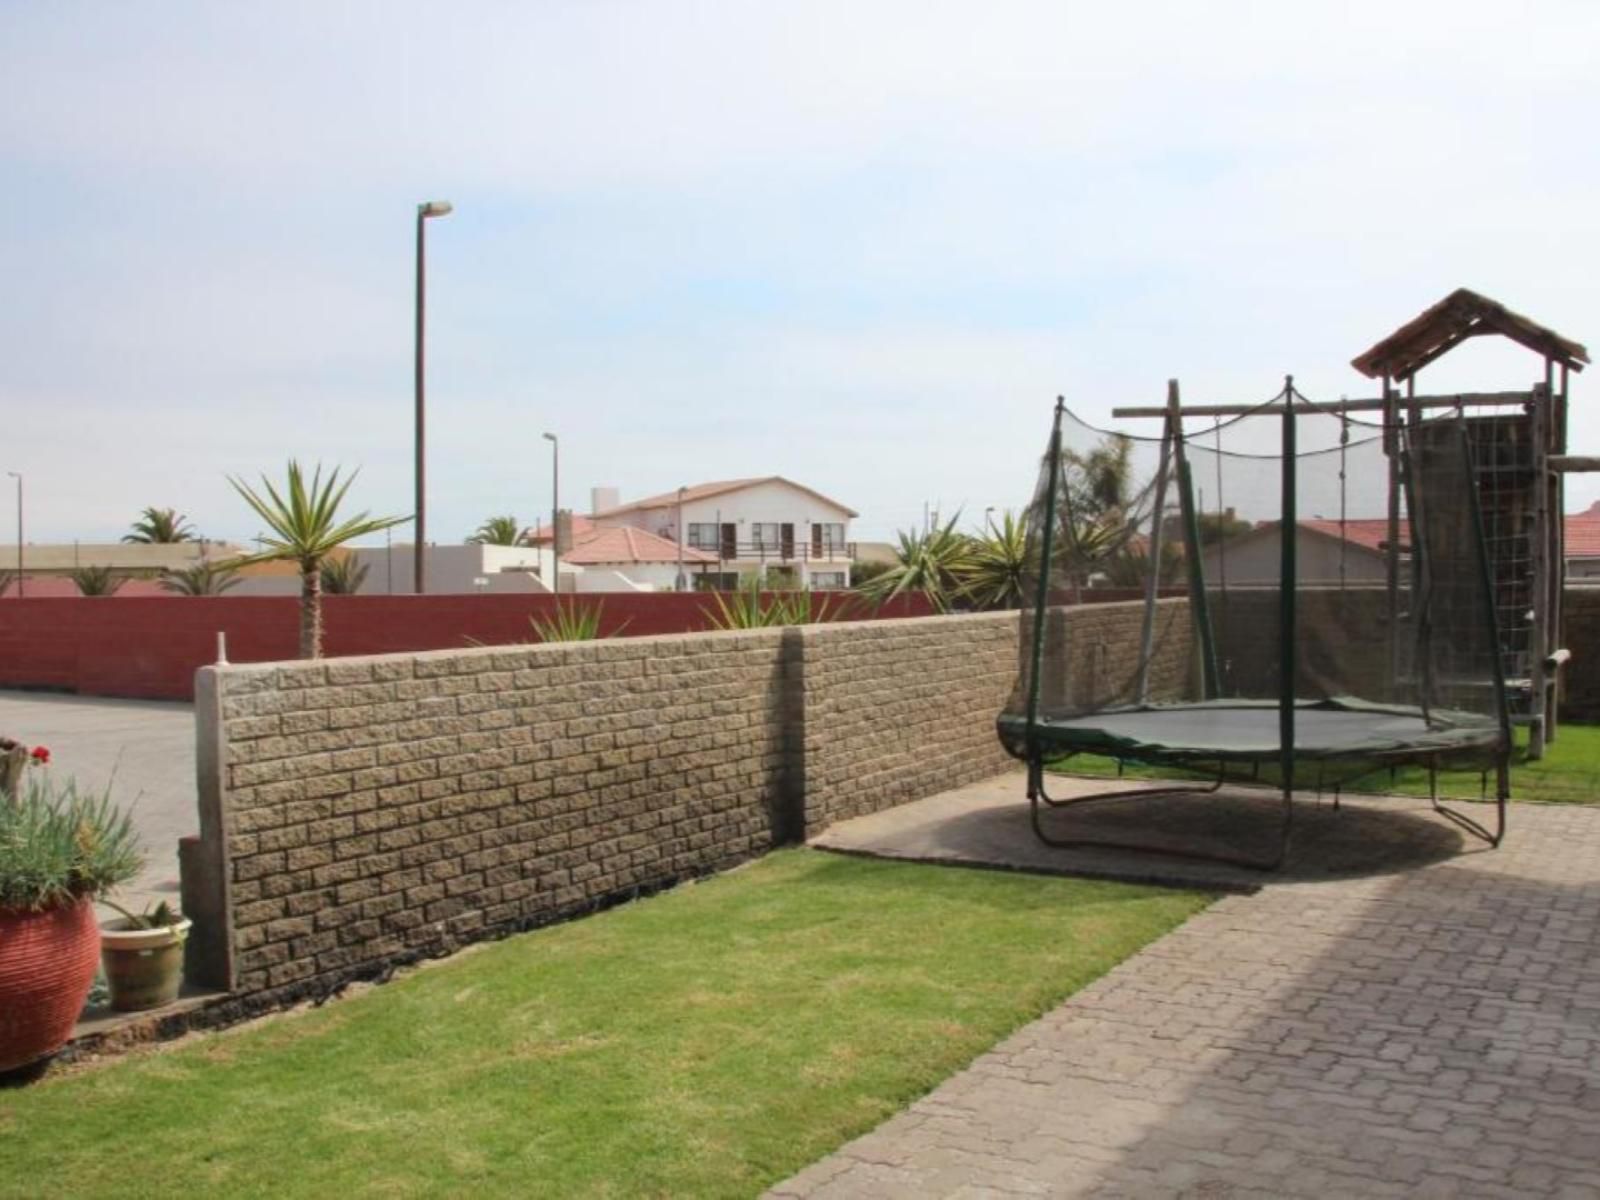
452	570
775	502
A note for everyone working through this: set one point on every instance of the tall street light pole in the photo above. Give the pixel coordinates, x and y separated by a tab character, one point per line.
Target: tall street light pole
555	512
433	208
17	475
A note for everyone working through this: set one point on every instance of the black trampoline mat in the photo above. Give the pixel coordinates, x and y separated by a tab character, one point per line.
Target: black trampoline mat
1231	730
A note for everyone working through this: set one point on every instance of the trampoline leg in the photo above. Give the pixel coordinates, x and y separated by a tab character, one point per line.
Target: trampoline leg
1502	794
1037	795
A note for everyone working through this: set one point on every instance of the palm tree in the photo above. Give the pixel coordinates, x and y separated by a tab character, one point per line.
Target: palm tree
343	576
931	562
202	579
160	526
995	573
306	529
1093	521
96	581
497	531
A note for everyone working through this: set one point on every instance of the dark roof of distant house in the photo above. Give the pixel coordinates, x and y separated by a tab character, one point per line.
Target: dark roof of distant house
1461	315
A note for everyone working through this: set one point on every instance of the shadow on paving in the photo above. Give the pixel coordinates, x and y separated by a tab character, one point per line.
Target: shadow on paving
1433	1032
988	824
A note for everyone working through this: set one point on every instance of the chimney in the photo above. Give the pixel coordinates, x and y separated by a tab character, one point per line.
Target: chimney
563	531
602	498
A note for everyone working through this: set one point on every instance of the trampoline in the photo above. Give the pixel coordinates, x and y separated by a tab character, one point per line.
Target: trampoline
1243	731
1266	650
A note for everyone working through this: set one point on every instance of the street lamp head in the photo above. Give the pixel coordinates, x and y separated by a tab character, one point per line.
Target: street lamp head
435	208
549	437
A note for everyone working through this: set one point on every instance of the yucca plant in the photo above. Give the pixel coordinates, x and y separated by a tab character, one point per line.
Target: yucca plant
747	608
572	623
993	575
96	581
497	531
59	844
202	579
932	562
304	520
343	576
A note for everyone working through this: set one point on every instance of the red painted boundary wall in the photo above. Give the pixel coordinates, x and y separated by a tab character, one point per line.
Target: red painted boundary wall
150	647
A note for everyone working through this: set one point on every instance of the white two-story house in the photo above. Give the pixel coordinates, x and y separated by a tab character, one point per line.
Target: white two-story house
788	534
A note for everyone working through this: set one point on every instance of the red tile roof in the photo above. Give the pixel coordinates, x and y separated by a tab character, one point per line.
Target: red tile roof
1368	532
629	545
1582	532
538	534
704	491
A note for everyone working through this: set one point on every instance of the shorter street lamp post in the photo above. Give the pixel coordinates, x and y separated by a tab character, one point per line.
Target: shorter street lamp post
555	512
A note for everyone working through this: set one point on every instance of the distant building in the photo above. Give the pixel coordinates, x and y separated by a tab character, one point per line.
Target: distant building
769	526
1326	553
1582	535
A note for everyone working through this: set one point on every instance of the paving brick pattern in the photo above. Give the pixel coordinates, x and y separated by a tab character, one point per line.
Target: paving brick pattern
1430	1033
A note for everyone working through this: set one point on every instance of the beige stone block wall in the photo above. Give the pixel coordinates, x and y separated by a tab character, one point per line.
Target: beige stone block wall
897	710
381	808
364	811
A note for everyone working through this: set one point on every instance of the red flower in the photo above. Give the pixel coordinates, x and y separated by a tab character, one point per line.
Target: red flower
41	755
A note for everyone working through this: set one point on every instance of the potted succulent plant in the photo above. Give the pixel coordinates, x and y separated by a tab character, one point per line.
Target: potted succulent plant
61	848
143	956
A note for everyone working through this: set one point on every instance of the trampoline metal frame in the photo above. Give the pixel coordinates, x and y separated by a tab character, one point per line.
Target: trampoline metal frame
1037	795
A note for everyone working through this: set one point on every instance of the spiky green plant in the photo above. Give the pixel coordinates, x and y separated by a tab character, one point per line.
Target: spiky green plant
7	578
994	573
306	528
932	562
160	526
749	608
59	844
572	622
201	579
96	581
498	531
343	576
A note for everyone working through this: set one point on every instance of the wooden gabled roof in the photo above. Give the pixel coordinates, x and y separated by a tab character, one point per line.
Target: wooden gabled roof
1461	315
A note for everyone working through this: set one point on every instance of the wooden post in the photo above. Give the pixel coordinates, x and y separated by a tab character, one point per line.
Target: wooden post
1391	556
1539	545
1152	583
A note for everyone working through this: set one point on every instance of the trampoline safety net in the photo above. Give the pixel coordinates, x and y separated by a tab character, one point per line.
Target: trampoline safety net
1312	599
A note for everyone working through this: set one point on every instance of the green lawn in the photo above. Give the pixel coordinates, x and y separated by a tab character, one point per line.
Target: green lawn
706	1042
1569	772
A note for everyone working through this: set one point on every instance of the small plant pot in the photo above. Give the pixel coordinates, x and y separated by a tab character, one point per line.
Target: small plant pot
144	967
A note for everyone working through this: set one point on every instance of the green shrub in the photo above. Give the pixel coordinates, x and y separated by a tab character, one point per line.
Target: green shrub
59	844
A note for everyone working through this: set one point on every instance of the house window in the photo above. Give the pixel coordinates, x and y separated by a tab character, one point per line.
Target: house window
822	580
827	539
766	535
703	536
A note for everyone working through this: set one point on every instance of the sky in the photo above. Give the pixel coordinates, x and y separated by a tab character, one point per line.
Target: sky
860	245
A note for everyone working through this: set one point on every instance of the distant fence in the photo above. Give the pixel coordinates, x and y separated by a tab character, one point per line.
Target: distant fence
150	647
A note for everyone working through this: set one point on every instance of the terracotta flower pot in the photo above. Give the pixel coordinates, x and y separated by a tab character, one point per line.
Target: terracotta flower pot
47	962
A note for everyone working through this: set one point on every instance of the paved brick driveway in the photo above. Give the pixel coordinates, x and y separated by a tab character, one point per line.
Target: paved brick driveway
1433	1032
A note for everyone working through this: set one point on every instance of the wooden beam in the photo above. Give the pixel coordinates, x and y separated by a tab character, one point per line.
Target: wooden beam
1573	463
1463	400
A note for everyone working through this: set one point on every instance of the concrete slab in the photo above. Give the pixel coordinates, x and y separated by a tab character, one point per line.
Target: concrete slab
142	749
987	824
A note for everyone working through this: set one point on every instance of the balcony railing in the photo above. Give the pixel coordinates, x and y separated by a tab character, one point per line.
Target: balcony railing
797	551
